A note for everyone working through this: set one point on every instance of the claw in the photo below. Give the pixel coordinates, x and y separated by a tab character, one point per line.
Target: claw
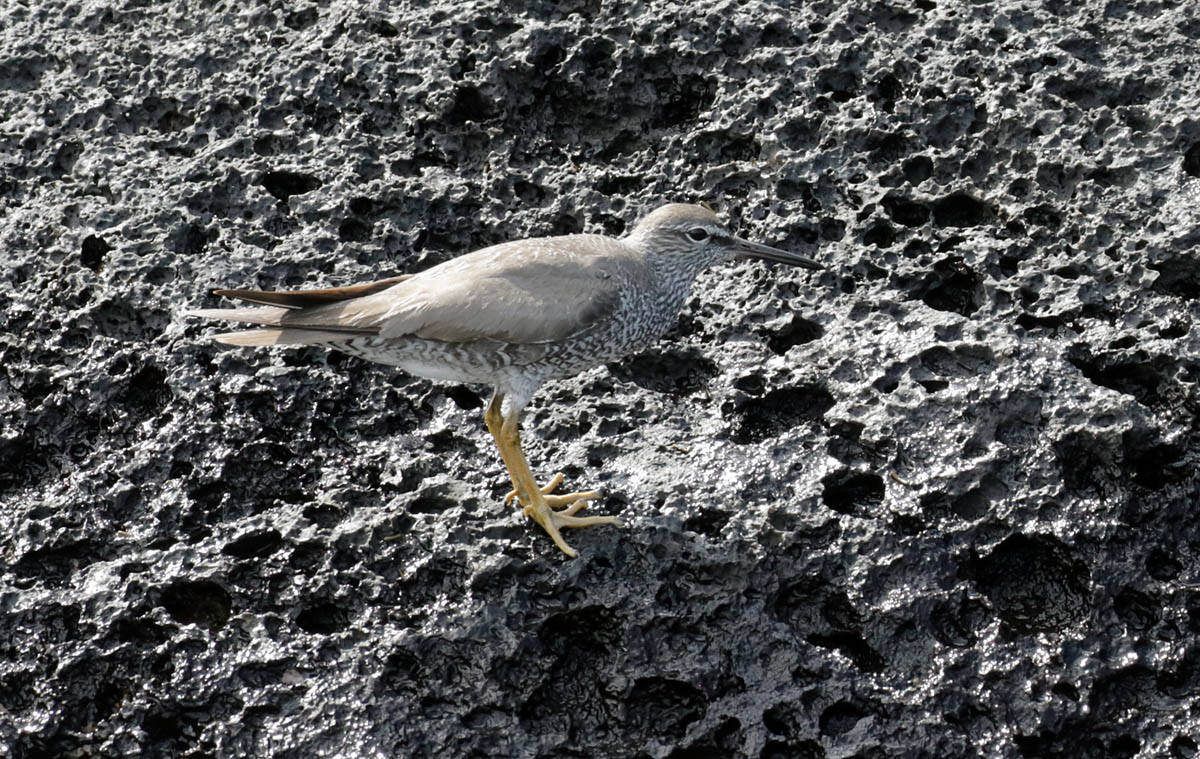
555	512
551	521
548	488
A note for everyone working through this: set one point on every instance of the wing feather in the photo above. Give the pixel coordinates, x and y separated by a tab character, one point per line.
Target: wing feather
529	291
303	298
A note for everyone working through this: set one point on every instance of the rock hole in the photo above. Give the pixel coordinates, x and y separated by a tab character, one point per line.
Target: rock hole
254	545
1191	160
854	647
469	105
888	148
1174	330
676	371
1087	462
956	623
840	718
952	286
146	392
754	384
1163	566
709	522
1182	746
682	100
323	619
853	493
905	211
534	195
464	397
965	360
880	234
1144	380
1179	277
797	331
269	145
1036	583
780	719
190	239
1030	322
92	251
362	206
578	645
66	157
888	87
169	726
566	224
301	19
431	503
1152	463
960	210
355	230
284	184
917	169
758	419
1139	611
199	602
402	668
382	28
841	84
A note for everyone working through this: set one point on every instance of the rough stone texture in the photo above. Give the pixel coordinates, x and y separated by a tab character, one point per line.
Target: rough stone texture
936	501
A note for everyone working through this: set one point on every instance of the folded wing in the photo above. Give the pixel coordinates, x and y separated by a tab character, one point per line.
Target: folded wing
530	291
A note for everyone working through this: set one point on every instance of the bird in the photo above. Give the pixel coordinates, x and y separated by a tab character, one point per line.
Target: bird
512	316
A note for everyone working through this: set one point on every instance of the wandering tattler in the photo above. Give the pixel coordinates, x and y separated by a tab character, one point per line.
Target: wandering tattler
513	316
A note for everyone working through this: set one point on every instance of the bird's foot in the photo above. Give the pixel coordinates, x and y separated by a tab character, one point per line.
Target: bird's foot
552	521
570	502
543	507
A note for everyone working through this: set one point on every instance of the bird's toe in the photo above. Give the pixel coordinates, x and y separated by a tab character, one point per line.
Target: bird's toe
542	511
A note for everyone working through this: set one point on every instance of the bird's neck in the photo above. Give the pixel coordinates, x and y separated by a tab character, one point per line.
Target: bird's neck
674	286
674	271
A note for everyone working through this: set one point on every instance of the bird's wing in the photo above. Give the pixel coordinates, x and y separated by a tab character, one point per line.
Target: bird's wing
528	291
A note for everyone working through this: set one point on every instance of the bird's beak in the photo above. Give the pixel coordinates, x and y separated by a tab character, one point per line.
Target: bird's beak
748	249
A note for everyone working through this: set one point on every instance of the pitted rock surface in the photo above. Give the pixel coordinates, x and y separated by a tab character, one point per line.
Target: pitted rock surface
938	500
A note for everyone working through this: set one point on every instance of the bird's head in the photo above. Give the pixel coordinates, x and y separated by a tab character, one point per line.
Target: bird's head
691	238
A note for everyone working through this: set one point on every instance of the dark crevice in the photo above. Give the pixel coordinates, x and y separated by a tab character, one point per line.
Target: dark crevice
284	184
757	419
323	619
200	602
952	286
92	251
797	331
1035	583
854	493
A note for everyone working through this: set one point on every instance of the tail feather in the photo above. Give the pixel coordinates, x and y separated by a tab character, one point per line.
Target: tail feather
259	337
293	299
266	316
282	334
295	317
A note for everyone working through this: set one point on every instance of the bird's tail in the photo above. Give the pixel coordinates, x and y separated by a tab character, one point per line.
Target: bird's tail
284	314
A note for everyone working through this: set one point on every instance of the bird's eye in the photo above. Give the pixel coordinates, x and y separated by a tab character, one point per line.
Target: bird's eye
698	234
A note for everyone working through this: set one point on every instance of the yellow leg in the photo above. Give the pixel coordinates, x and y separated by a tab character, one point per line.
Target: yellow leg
494	418
537	501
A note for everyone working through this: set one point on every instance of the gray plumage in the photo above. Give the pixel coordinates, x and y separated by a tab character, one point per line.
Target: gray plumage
512	315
